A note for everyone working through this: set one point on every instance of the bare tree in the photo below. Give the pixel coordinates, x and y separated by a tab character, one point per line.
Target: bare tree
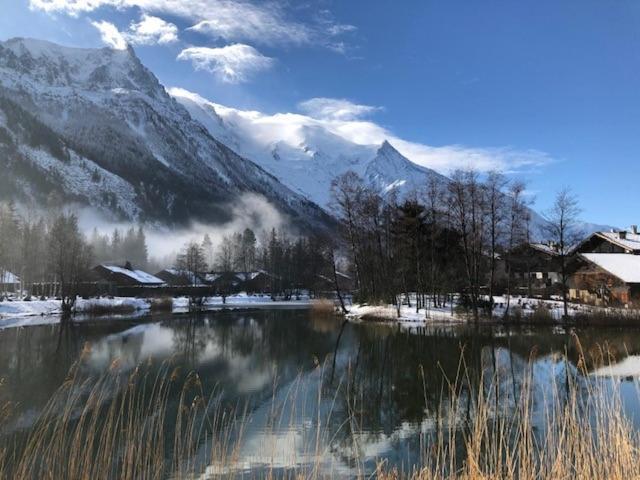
192	262
346	194
466	204
69	258
225	255
561	227
434	200
517	229
336	283
495	211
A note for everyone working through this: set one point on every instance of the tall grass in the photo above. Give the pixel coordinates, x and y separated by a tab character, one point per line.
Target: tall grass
144	425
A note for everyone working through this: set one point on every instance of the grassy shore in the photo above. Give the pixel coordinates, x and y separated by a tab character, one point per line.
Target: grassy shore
162	424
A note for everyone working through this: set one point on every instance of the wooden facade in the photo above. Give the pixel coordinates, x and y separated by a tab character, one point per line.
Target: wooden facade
593	284
611	242
534	267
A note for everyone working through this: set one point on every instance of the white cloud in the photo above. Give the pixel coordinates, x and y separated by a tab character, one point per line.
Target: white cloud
335	109
294	130
148	31
110	35
152	30
232	20
232	63
71	7
243	21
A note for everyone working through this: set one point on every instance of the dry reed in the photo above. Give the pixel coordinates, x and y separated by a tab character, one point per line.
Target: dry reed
117	427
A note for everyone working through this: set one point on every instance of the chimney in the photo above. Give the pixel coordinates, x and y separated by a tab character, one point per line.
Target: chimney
622	234
634	229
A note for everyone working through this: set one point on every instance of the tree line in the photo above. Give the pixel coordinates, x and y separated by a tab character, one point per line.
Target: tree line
446	238
42	249
292	262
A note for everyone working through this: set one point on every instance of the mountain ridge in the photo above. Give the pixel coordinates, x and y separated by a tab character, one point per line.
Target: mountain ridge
309	157
108	117
95	126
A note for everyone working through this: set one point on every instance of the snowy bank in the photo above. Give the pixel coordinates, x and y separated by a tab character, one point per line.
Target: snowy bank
241	300
520	309
409	315
43	312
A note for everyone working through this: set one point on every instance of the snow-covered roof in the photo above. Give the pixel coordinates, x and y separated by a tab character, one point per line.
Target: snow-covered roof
173	271
9	278
186	274
212	277
246	276
241	276
137	275
545	248
630	242
622	265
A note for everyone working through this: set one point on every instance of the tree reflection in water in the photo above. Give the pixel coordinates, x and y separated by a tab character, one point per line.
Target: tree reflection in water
352	391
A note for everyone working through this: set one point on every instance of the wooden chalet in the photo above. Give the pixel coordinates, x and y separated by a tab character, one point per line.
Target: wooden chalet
177	277
624	241
126	276
9	282
257	281
534	266
604	279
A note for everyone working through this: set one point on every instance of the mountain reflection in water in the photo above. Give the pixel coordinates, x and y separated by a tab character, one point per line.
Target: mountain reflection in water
317	390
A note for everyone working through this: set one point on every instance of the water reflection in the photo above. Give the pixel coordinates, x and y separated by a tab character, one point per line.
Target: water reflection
320	391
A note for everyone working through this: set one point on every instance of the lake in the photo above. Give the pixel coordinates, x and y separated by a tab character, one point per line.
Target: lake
313	390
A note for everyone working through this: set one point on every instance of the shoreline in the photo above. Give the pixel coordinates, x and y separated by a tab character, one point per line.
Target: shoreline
528	312
15	314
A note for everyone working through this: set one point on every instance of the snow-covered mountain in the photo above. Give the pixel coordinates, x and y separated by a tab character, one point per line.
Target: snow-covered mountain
302	153
95	126
306	156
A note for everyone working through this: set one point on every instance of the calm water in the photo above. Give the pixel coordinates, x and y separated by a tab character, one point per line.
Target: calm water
374	389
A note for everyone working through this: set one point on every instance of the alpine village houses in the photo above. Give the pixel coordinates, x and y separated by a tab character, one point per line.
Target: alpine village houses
605	269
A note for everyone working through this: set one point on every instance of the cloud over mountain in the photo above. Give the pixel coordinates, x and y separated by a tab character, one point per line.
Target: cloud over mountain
232	63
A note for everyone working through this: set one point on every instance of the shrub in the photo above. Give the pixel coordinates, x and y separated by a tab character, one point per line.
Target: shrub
164	304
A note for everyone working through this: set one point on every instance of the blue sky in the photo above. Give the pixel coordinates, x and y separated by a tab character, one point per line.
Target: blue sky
547	88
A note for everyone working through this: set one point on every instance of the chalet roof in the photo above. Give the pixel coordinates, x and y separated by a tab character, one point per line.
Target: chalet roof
622	265
137	275
246	276
331	279
186	274
9	278
631	242
240	276
212	277
545	248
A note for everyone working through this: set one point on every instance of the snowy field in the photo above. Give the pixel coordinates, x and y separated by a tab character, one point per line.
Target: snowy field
19	313
523	307
407	314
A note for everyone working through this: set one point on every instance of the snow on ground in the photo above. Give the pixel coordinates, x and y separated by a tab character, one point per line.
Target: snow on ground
241	300
22	309
519	306
20	313
408	315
